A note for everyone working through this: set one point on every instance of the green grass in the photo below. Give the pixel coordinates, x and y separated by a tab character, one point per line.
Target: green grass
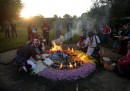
7	44
13	43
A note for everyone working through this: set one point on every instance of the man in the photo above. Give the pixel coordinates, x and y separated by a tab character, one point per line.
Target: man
45	31
69	30
58	28
13	28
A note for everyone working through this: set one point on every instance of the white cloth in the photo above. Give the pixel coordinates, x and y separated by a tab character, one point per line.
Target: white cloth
48	61
90	51
45	55
39	67
30	62
92	44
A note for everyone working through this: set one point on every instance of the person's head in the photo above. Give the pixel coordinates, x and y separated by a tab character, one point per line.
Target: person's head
36	43
90	34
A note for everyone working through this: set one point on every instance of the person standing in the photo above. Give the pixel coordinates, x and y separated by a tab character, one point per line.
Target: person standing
13	28
106	32
45	31
29	29
7	28
69	30
58	28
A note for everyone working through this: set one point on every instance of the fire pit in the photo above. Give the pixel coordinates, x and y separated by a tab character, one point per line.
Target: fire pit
68	64
63	60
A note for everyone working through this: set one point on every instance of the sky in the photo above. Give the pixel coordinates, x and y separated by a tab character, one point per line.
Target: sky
49	8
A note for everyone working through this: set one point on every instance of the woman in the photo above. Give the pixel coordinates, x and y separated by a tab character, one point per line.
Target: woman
124	63
91	41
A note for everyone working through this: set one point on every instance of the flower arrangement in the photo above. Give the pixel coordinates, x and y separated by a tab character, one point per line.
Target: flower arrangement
56	74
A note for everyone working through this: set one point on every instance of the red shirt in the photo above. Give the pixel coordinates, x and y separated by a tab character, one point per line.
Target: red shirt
126	61
106	30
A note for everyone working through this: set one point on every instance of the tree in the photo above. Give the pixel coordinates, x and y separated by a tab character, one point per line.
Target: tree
67	16
55	16
9	9
74	17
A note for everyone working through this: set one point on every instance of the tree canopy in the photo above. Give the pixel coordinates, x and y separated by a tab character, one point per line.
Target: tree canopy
10	9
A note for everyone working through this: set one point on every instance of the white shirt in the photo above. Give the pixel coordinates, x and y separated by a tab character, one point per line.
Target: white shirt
93	43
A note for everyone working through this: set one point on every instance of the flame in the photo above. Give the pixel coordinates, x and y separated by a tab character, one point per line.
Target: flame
68	49
72	50
56	47
75	65
70	65
83	57
79	55
61	66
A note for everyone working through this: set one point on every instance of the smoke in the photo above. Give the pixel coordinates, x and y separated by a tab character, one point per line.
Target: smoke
100	18
77	29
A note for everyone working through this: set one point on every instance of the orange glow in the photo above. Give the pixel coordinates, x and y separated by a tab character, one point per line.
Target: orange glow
72	50
70	65
61	66
56	47
68	49
75	65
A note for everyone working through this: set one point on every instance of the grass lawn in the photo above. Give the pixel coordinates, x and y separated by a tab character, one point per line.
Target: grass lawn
7	44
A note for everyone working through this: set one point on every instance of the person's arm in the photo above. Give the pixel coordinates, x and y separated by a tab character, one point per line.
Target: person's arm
86	42
37	57
125	62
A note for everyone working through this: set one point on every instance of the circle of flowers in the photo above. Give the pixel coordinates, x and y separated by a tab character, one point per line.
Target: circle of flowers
74	74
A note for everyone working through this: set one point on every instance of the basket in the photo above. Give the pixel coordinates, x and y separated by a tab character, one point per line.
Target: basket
104	59
110	66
